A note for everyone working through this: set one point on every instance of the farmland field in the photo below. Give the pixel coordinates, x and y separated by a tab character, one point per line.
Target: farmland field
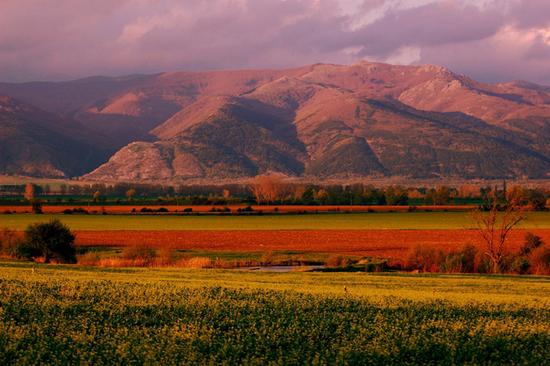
378	243
77	315
342	221
386	235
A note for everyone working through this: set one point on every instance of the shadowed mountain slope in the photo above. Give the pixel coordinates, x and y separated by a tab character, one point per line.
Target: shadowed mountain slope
37	143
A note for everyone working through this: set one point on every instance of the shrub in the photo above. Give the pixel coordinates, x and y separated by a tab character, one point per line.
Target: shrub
267	259
539	260
51	240
246	209
484	265
424	258
77	210
530	243
452	263
517	264
37	207
373	265
166	256
88	259
468	258
338	261
139	253
9	240
188	210
195	262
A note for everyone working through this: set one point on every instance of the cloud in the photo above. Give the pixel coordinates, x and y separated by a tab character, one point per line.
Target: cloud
491	40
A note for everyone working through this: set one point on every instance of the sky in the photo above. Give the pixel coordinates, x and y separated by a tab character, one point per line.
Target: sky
489	40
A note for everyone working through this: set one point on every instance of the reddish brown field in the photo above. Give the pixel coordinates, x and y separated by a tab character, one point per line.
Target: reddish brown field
122	209
380	243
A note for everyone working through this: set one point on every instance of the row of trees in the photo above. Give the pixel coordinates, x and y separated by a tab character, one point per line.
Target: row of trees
276	189
271	189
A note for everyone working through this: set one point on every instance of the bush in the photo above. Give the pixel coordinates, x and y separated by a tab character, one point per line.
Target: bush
195	262
51	240
484	265
539	260
9	240
77	210
245	209
424	258
37	207
468	256
452	263
142	253
89	259
517	264
530	243
338	261
267	259
166	256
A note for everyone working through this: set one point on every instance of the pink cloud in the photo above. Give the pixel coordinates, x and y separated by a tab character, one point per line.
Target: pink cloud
59	39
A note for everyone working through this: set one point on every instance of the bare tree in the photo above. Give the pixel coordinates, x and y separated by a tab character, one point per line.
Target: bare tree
29	192
130	194
298	191
268	188
494	226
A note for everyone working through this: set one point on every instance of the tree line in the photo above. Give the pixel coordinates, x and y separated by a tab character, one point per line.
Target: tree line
274	190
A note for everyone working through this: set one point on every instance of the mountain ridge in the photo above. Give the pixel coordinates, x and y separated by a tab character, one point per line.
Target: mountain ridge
320	121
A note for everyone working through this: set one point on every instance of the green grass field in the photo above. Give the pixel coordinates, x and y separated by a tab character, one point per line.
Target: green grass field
76	315
358	221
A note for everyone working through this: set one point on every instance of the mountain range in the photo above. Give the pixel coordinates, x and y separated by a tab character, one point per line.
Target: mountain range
318	121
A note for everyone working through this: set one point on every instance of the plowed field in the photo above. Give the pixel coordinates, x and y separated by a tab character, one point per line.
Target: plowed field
382	243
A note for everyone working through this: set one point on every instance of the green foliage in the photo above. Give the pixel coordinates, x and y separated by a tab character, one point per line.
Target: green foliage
52	240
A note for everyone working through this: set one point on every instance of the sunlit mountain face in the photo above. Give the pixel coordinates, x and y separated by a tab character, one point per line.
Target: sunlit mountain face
320	121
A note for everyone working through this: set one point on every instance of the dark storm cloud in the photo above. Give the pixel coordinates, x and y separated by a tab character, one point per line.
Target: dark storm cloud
47	39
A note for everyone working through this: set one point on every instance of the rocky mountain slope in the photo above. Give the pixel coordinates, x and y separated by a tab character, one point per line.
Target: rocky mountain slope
322	121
